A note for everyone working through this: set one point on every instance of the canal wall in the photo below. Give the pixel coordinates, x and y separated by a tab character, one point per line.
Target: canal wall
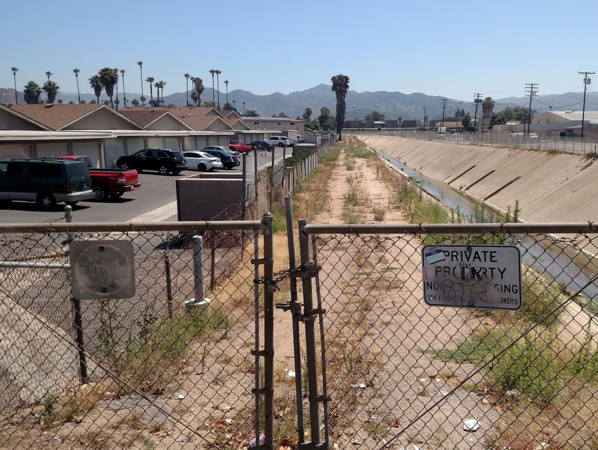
550	186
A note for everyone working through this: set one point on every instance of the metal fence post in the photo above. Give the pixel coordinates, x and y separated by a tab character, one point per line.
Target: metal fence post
310	339
269	332
78	320
168	276
68	215
198	278
295	309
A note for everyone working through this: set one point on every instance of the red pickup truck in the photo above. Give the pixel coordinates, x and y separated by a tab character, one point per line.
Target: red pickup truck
239	146
109	182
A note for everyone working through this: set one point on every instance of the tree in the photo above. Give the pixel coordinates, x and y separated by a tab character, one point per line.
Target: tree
83	102
14	74
280	114
208	104
251	113
340	85
93	101
142	98
49	74
150	80
324	115
187	80
466	120
487	107
59	100
71	102
307	114
229	107
96	84
375	116
76	72
197	91
106	102
109	78
51	89
162	84
32	93
400	120
135	102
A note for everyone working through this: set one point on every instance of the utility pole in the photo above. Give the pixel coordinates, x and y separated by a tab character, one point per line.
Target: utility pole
425	118
444	102
586	82
477	100
532	90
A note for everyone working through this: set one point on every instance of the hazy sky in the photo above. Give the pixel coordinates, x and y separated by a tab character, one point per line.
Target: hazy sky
436	47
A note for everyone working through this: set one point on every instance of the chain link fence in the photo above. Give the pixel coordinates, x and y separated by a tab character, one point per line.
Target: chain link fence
396	372
175	365
566	144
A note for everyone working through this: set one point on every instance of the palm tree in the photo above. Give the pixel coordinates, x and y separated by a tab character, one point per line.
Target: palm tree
187	80
32	93
135	102
117	101
122	72
96	83
150	80
14	74
49	74
142	98
226	82
243	107
162	84
109	79
340	85
195	97
76	72
487	108
51	89
307	114
212	71
157	85
218	72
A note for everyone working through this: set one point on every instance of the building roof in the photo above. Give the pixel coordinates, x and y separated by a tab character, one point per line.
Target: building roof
228	113
591	116
56	116
198	118
146	117
273	119
237	123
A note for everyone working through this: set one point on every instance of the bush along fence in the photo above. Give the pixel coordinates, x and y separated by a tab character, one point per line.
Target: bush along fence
387	336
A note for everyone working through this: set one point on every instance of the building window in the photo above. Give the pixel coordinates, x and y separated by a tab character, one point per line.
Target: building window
256	123
279	123
292	123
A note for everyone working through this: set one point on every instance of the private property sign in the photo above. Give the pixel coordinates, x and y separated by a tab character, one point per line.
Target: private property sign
472	276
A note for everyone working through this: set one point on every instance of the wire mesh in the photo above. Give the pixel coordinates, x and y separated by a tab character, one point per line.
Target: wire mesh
402	374
162	372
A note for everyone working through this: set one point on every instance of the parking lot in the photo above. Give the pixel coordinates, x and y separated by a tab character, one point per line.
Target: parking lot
154	201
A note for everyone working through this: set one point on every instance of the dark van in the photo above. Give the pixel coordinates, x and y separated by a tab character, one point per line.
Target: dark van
45	181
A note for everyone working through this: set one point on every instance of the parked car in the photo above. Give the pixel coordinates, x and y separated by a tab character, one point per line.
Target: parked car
228	160
300	138
202	161
239	146
279	141
262	145
45	181
106	183
164	160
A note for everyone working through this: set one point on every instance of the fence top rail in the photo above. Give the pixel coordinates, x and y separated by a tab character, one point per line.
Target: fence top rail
237	225
513	228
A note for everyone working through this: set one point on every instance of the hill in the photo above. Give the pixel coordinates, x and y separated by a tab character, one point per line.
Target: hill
359	104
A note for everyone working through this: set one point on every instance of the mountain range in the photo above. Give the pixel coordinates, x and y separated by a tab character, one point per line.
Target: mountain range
359	104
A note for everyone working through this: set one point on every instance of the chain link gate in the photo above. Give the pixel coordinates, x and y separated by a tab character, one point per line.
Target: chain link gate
186	361
397	373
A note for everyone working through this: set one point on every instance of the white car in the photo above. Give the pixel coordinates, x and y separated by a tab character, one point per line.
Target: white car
279	141
202	161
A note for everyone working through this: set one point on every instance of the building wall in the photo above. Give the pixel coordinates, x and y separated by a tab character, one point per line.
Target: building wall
9	121
273	124
166	123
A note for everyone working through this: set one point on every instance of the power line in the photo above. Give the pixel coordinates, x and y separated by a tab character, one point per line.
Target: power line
477	100
532	90
586	81
444	102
